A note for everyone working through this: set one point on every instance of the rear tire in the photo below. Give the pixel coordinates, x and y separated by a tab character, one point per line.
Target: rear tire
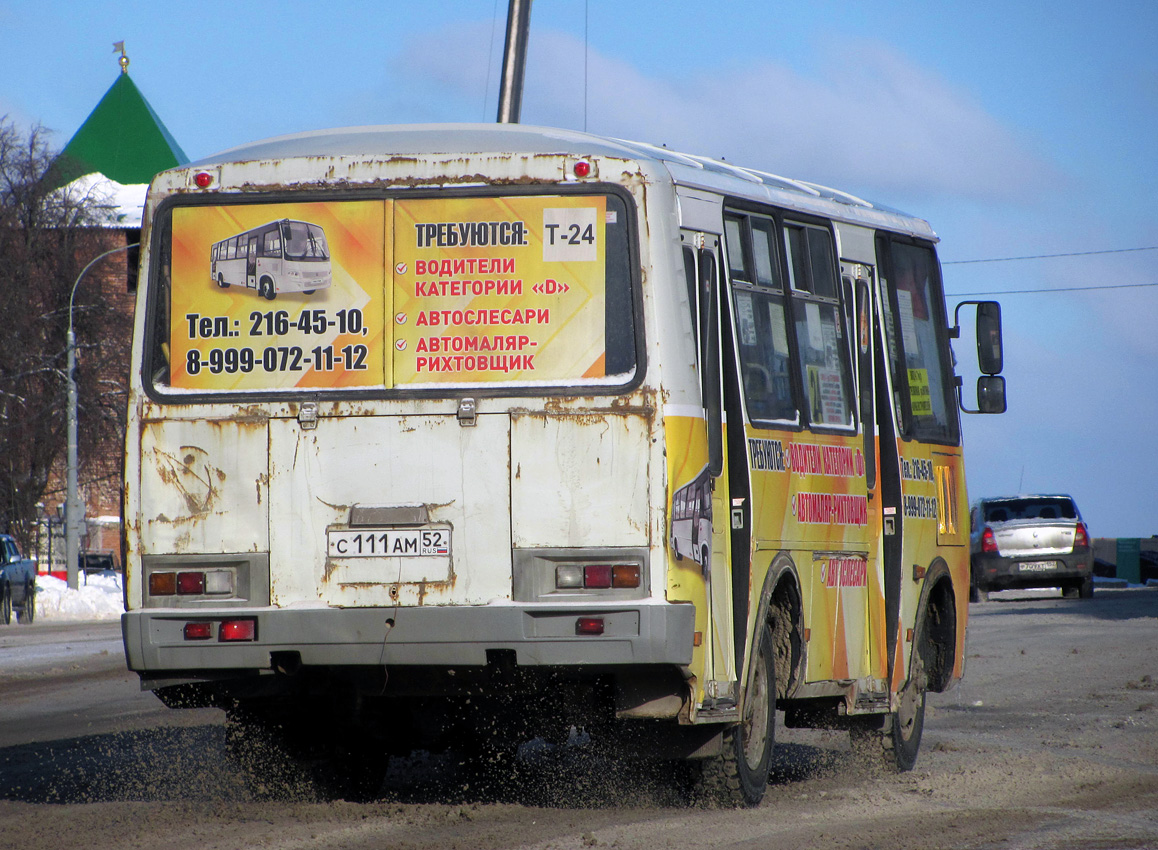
265	289
896	742
739	775
5	604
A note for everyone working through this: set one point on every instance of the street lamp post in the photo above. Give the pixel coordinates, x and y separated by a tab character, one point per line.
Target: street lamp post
71	501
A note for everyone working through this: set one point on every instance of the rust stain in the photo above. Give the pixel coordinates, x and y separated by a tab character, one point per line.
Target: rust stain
191	473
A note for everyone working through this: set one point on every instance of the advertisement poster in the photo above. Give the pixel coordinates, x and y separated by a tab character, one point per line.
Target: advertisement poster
499	290
278	296
384	293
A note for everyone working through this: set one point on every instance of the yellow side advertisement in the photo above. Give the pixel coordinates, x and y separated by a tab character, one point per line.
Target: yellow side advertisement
278	296
499	289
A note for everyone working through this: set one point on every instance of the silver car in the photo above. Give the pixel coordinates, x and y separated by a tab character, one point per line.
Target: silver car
1029	541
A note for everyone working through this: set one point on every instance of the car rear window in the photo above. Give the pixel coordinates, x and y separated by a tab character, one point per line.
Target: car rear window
1031	508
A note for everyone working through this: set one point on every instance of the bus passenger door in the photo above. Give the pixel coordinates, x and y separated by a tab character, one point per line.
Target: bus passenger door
714	523
888	413
251	262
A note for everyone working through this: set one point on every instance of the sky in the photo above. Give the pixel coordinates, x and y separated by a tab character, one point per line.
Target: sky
1018	129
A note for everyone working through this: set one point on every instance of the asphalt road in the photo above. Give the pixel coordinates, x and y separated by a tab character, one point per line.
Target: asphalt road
1050	742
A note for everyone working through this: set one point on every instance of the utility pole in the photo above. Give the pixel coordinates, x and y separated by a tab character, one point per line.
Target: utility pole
514	61
72	508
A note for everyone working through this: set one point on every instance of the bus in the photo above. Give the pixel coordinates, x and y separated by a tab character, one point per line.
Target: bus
279	256
601	437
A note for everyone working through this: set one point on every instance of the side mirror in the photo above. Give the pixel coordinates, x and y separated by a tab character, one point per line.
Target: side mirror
989	349
990	357
991	393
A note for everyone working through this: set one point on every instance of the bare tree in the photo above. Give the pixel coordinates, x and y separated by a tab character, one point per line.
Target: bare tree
47	236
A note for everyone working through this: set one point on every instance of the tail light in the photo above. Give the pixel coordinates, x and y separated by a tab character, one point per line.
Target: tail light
1081	537
988	540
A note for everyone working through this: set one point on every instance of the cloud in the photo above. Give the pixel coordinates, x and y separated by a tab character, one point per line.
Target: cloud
870	120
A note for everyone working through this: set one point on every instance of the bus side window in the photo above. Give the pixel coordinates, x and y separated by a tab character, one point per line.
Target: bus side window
760	318
820	327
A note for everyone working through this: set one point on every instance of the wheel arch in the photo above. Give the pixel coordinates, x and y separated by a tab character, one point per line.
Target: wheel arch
937	616
781	607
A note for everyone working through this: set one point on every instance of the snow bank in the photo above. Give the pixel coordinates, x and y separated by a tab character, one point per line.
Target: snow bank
98	598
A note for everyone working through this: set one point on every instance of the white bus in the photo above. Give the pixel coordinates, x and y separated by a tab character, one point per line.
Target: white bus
691	520
279	256
606	436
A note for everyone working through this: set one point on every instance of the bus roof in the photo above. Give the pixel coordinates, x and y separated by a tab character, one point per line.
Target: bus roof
520	139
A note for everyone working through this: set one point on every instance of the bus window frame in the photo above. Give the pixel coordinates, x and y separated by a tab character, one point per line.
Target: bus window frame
907	426
153	357
790	296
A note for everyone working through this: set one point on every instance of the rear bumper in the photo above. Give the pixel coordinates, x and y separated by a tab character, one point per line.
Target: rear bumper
634	633
994	572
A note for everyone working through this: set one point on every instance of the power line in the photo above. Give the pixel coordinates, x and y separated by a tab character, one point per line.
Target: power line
1050	289
1049	257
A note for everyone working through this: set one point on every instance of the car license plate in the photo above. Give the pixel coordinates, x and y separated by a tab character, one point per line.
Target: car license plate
388	543
1037	566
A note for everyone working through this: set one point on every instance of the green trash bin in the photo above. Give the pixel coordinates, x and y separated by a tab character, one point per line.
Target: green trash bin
1128	566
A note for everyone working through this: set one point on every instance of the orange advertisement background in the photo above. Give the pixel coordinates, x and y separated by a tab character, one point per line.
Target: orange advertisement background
570	346
357	233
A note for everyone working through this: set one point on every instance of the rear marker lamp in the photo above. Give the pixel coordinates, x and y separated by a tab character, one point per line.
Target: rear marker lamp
203	179
198	631
589	626
237	630
190	584
625	575
219	582
162	584
597	575
568	575
582	168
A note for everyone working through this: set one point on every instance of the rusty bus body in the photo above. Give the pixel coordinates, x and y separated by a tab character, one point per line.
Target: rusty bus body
432	505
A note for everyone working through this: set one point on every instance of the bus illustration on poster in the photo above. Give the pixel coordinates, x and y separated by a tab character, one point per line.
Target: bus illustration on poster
281	256
691	520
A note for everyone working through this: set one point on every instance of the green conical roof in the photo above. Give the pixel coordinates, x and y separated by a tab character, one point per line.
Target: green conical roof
123	139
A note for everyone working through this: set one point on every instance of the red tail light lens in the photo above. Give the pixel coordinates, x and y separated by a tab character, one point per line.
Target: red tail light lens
238	630
1081	537
198	631
988	541
589	626
191	584
597	575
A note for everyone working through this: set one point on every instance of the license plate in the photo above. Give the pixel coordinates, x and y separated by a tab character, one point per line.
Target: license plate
1037	566
388	543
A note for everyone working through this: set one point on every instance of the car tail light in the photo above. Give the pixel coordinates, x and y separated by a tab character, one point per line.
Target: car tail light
234	630
589	626
1081	537
988	540
162	584
568	575
625	575
198	631
597	575
190	584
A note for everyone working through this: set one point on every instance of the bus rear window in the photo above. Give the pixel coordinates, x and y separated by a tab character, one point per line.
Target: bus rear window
520	291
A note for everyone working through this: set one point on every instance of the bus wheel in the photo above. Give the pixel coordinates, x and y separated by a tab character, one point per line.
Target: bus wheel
739	775
5	604
308	291
895	742
221	281
265	289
